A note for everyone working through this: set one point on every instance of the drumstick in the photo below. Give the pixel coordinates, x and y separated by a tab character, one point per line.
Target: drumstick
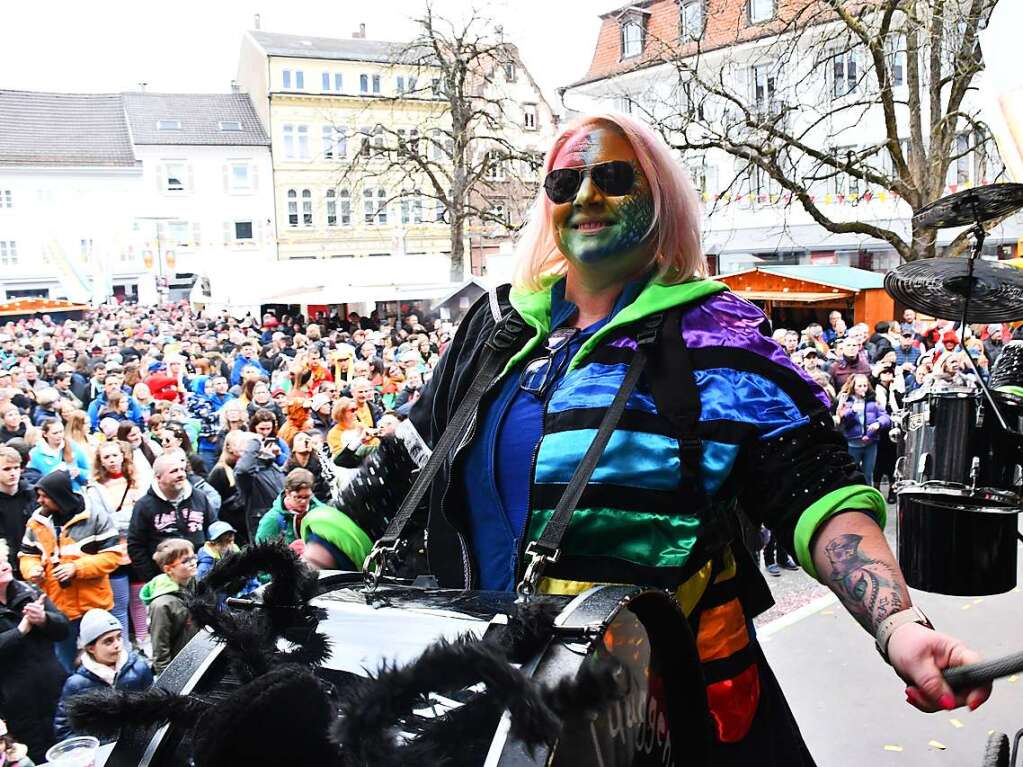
979	674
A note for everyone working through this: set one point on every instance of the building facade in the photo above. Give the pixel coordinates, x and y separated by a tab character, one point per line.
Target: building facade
68	181
206	202
331	104
816	84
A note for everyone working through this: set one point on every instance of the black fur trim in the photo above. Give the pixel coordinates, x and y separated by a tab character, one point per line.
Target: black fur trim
104	712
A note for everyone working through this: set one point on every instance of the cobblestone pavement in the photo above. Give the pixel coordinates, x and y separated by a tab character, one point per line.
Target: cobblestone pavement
794	588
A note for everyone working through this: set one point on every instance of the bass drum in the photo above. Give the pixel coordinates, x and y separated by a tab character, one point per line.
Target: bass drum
662	720
953	443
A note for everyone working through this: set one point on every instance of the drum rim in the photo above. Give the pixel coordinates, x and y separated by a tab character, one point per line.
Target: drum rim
952	392
937	495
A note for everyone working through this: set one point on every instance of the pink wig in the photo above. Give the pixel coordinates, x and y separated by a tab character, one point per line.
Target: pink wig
676	223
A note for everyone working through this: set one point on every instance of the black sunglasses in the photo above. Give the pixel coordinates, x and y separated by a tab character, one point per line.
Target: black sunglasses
615	178
537	376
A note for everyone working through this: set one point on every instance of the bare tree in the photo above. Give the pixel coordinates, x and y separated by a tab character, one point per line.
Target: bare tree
461	160
795	113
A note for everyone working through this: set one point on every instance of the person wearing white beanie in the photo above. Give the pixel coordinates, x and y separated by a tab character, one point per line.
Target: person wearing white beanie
104	663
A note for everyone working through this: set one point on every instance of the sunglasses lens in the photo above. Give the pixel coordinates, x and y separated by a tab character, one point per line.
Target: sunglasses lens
562	184
615	178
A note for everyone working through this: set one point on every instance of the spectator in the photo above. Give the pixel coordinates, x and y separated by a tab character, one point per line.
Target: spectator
16	501
993	345
69	551
13	423
264	425
835	329
851	362
367	411
222	478
169	510
261	398
53	452
861	420
170	623
259	479
15	753
143	452
30	675
111	384
105	663
305	456
283	521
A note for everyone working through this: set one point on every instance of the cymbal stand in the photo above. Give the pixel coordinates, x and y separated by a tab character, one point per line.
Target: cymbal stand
979	234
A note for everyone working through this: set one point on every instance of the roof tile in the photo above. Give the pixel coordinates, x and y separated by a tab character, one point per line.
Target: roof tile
200	115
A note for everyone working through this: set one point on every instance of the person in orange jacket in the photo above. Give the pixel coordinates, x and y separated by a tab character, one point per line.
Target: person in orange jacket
69	550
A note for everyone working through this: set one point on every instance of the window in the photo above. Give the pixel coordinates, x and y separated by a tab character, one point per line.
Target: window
495	166
378	141
338	82
896	48
412	210
632	39
529	116
299	80
762	87
623	104
166	125
6	199
692	19
842	183
363	83
435	87
376	83
374	204
325	82
243	230
760	11
345	204
8	253
176	176
331	198
412	85
364	145
229	125
440	212
509	71
289	142
286	79
303	142
844	68
240	177
329	146
307	207
499	213
292	207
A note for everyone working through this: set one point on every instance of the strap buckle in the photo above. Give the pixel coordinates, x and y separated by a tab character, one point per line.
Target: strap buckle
377	562
538	561
648	332
506	332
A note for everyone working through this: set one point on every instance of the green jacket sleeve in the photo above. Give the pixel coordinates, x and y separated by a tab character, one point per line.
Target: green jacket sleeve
167	619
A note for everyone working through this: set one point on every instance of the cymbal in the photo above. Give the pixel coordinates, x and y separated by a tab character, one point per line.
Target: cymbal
939	286
971	206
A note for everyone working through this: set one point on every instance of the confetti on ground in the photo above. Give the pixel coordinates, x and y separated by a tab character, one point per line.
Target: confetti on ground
1013	679
990	732
977	601
893	748
955	723
827	612
936	744
967	606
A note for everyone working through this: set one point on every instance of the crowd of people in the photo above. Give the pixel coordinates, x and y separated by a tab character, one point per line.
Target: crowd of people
868	372
138	446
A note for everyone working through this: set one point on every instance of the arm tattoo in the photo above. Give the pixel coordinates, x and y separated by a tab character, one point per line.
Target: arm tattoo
871	589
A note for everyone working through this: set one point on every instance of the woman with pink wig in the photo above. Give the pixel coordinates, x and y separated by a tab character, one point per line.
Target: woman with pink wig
610	263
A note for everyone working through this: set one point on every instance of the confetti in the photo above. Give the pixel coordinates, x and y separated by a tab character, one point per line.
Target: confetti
990	732
977	601
827	612
1013	679
936	744
956	723
893	748
966	606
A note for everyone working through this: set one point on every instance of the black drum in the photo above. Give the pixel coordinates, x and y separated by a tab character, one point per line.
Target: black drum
663	719
949	545
953	444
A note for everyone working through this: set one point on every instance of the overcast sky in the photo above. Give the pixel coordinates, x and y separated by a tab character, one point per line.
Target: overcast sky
192	45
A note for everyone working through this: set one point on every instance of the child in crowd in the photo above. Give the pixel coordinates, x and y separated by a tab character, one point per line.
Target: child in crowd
220	543
105	662
170	625
12	754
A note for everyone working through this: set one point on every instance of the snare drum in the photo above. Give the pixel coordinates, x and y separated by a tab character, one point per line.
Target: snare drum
662	720
953	445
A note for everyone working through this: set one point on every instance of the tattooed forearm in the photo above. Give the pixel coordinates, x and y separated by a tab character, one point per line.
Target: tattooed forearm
870	586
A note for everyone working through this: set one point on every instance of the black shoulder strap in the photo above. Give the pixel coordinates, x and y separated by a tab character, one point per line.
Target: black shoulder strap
547	549
497	350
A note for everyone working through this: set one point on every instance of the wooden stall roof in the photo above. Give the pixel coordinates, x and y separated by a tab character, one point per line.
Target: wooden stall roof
23	306
804	284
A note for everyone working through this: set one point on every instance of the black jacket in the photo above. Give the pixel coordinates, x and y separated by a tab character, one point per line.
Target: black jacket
14	513
259	482
155	518
30	675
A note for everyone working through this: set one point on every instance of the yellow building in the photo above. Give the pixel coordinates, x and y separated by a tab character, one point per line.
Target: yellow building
317	98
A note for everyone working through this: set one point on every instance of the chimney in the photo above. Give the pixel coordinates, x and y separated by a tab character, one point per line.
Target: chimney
361	34
256	21
235	88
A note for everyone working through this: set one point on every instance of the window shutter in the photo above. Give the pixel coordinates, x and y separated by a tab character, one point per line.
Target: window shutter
196	234
191	180
161	177
227	178
254	171
228	232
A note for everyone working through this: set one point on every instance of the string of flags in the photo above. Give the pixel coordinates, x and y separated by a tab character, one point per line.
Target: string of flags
882	195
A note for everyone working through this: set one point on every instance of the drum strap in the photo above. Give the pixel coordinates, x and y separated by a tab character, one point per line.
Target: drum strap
547	549
497	350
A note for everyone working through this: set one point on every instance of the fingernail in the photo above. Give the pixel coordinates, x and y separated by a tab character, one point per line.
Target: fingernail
974	705
947	701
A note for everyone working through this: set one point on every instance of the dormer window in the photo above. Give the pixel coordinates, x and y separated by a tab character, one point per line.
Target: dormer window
168	125
632	38
229	125
692	19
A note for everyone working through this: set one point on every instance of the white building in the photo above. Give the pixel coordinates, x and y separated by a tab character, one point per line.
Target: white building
206	204
745	47
69	179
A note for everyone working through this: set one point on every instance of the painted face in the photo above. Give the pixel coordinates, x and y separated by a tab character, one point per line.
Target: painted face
595	230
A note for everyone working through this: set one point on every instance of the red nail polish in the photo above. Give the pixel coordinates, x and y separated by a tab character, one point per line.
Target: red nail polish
947	702
974	705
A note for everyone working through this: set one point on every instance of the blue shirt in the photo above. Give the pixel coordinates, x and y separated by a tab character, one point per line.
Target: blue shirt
499	463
